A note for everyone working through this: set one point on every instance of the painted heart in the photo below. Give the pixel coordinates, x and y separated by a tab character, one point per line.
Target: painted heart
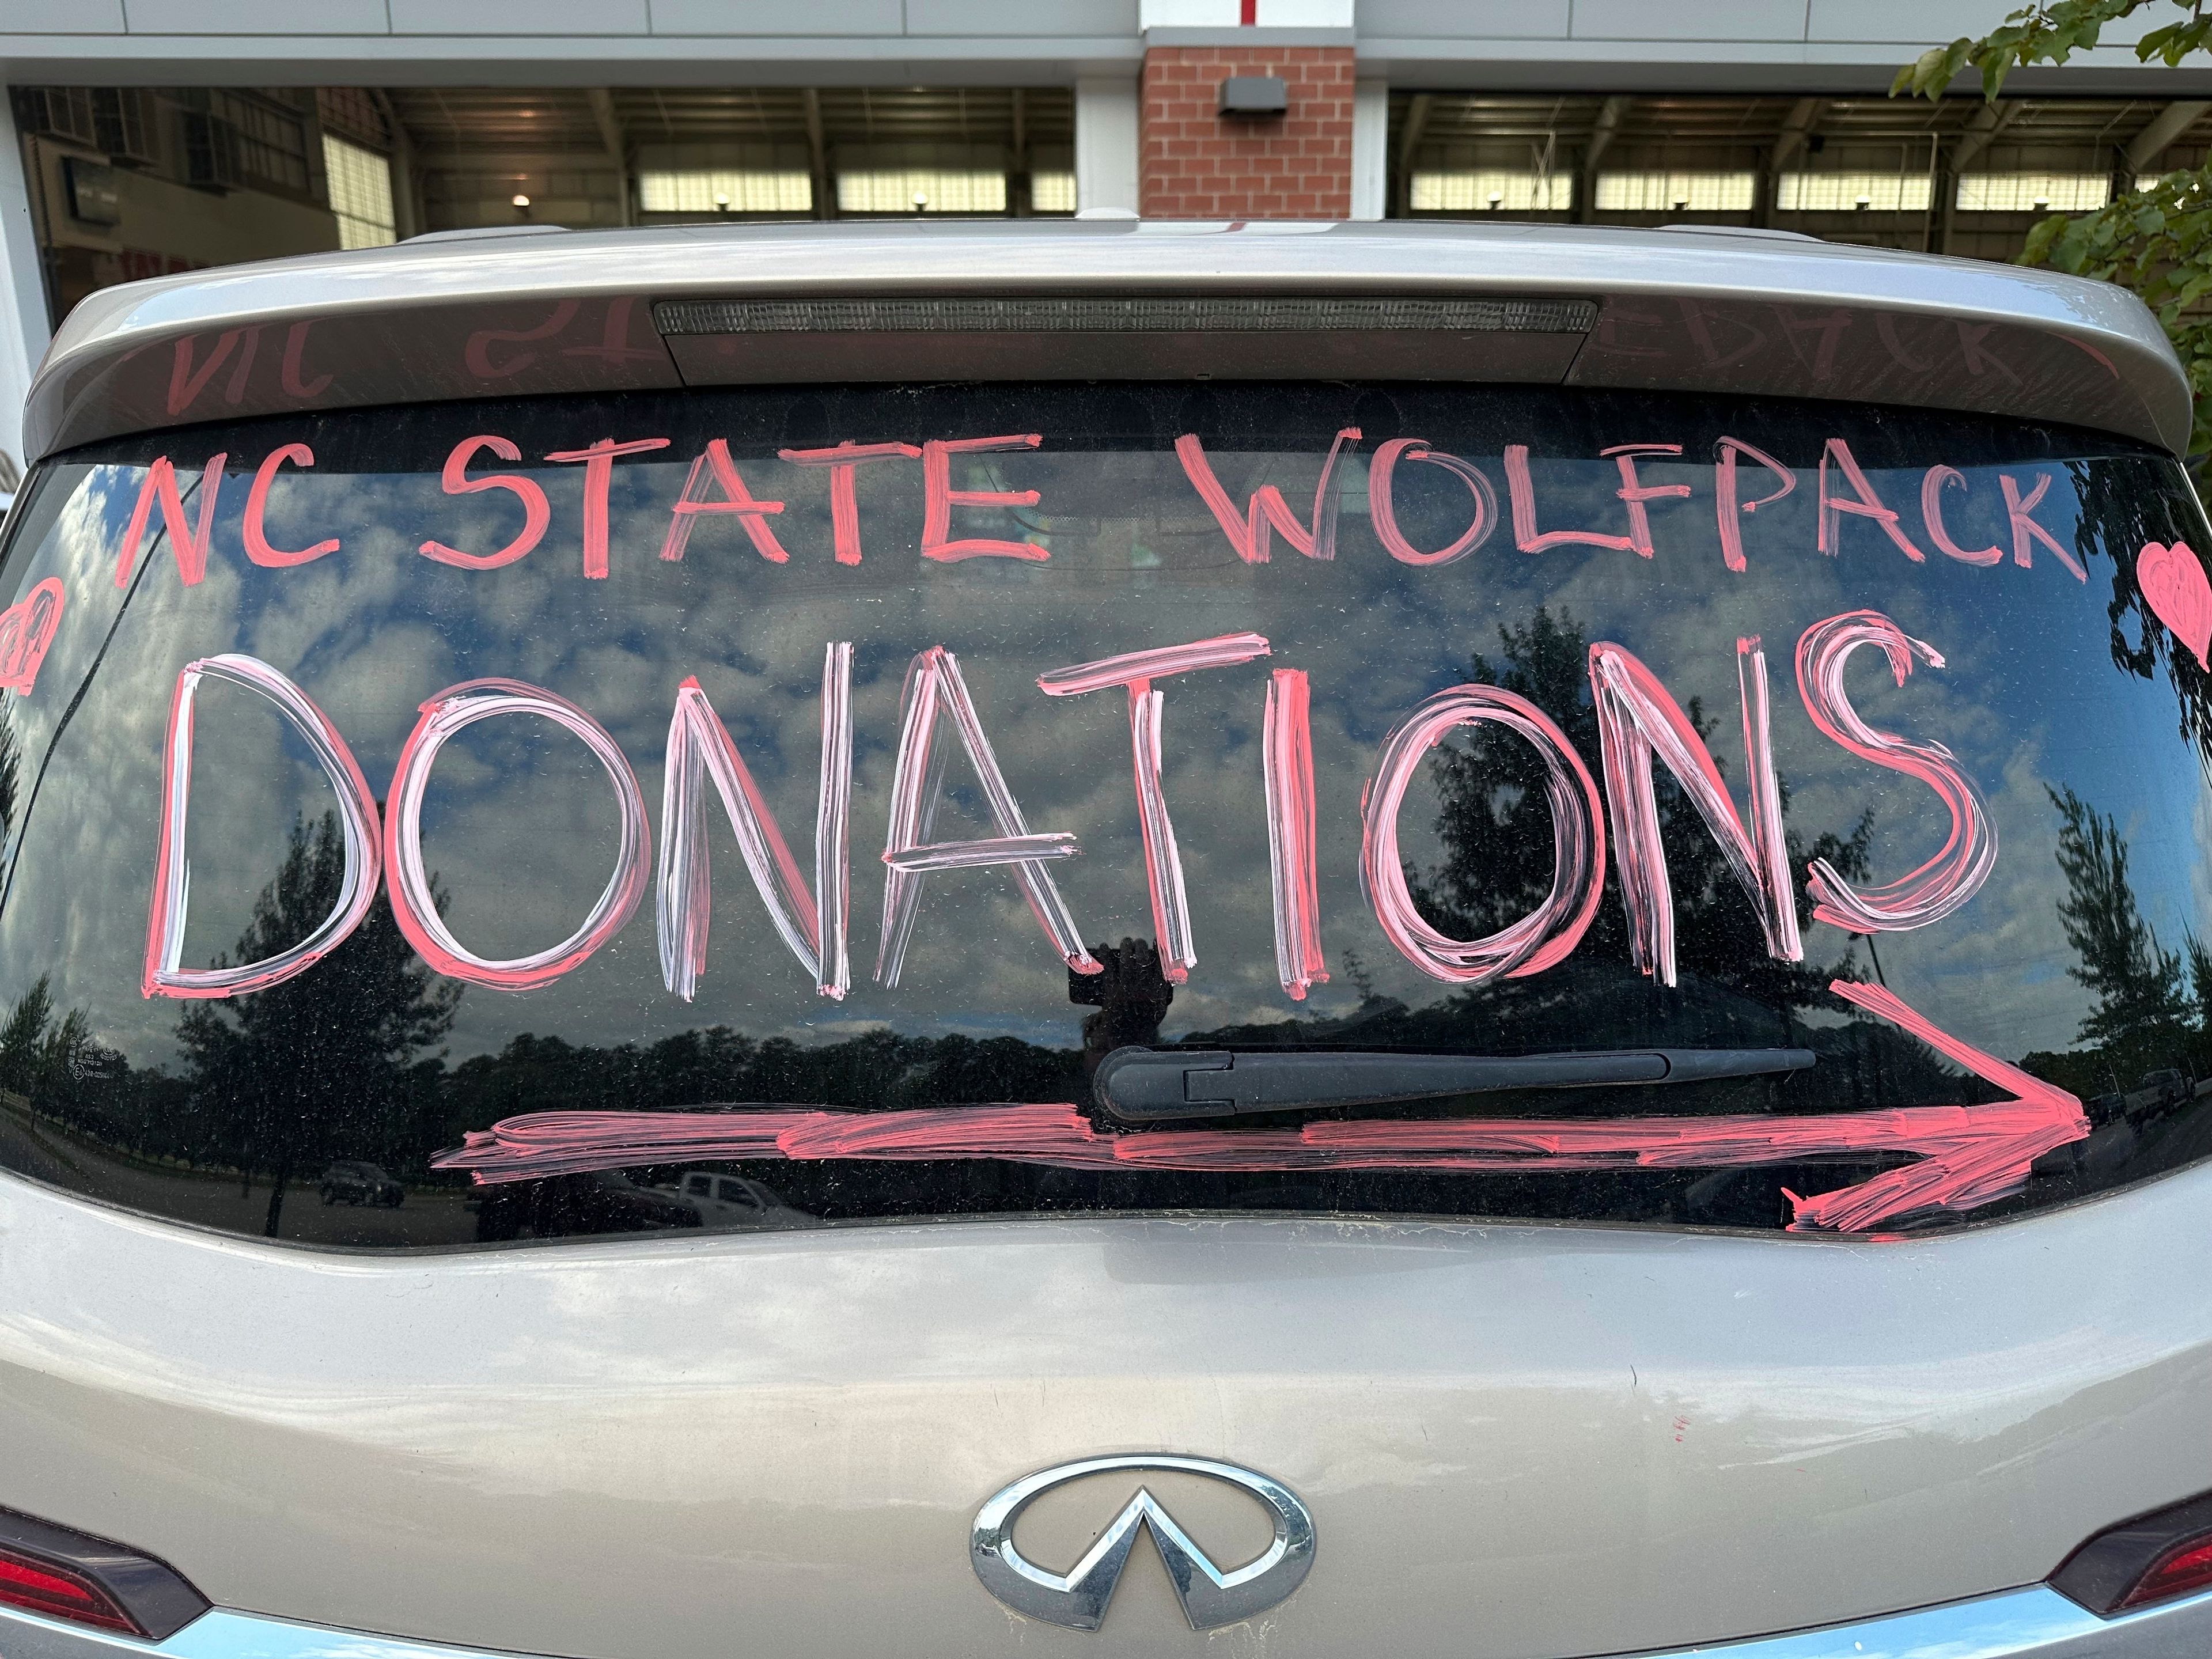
2174	585
26	630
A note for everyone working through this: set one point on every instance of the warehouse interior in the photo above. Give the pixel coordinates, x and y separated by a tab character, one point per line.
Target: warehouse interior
127	182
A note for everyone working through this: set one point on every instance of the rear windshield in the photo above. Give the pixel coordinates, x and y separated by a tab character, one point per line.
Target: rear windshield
782	808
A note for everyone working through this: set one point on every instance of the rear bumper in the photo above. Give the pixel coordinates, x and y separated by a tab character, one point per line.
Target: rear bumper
2034	1623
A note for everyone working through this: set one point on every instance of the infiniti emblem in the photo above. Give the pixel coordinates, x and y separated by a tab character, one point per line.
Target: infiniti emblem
1078	1598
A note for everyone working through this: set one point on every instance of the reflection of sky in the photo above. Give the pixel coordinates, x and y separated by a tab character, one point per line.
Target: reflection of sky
520	824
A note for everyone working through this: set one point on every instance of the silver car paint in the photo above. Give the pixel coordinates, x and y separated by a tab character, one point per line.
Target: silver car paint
512	315
1516	1440
2033	1623
1519	1442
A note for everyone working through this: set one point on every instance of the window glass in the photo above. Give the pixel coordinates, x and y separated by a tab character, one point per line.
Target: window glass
1662	191
547	800
2034	193
361	193
726	190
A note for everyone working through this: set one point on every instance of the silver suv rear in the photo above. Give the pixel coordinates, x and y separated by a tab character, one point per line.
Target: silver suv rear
1423	911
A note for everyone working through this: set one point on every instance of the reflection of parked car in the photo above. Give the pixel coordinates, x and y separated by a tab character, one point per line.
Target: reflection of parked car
350	1181
726	1201
2161	1090
605	1202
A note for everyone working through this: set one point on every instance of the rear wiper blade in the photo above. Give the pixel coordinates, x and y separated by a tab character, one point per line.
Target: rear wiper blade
1144	1086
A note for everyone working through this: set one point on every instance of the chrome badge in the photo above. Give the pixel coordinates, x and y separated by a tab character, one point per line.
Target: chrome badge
1078	1599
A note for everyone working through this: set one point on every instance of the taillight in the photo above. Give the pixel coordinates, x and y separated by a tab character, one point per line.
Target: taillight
2140	1563
41	1587
58	1573
2176	1573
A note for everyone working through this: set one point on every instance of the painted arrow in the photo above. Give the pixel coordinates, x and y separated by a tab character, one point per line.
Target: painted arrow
1966	1155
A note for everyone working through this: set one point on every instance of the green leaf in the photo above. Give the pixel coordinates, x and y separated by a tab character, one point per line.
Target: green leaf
2040	239
2047	32
2158	242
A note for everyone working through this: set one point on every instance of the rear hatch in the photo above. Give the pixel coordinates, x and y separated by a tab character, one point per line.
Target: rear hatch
625	1006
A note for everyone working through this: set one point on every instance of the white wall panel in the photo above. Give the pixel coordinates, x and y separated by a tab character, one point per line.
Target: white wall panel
1370	149
1645	46
572	17
776	18
23	327
50	17
1930	21
276	17
1048	18
1106	143
1707	20
1467	20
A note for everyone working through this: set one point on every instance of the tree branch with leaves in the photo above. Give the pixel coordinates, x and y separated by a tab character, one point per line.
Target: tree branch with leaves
2156	241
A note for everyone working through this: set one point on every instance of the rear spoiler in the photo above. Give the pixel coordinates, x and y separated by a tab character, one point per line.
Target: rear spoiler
1689	309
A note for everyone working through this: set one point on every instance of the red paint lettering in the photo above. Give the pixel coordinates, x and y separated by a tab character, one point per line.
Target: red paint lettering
1865	504
414	907
1960	867
844	499
1829	329
1382	508
1162	861
1548	933
599	460
234	392
1932	486
939	498
812	924
1726	510
1637	723
1266	514
1287	765
1635	494
163	974
934	689
257	505
185	382
715	467
288	374
2025	529
1521	488
26	629
476	353
536	514
188	541
1979	360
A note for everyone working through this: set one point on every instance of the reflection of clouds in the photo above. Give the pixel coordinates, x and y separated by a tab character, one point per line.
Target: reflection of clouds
519	826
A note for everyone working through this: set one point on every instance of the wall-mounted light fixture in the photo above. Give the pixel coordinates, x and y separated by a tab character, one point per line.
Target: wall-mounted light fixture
1251	95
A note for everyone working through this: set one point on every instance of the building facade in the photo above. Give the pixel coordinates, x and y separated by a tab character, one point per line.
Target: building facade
159	136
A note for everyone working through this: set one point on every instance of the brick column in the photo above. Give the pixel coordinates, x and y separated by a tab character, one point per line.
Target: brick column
1196	163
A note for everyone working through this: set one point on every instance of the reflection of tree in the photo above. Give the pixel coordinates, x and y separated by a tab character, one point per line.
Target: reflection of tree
2200	981
318	1066
49	1062
694	1069
23	1036
1496	827
11	769
2124	503
2142	1009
